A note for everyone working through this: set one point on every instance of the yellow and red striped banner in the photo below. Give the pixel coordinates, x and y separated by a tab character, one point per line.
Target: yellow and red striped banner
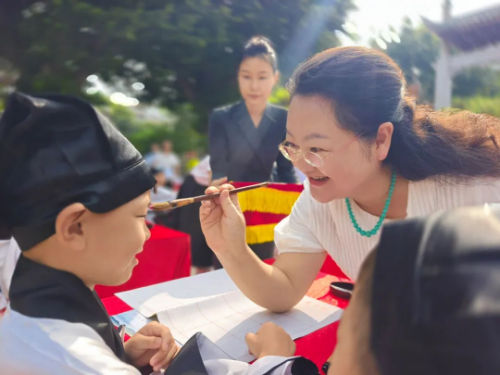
265	207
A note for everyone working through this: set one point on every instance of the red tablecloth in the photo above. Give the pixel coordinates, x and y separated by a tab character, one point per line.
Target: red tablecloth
317	346
166	256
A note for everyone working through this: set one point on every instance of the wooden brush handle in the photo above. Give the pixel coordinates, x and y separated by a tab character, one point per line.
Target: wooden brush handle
184	202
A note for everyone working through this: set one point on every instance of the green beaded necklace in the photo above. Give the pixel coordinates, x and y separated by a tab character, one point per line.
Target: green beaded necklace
376	228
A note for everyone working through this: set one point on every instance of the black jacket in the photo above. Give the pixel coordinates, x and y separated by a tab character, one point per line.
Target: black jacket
245	153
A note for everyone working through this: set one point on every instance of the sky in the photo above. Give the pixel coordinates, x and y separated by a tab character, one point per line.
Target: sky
375	16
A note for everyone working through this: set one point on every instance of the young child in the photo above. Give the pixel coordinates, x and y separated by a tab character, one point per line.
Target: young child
74	193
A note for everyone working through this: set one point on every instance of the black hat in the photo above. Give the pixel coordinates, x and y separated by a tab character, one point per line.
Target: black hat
436	295
56	150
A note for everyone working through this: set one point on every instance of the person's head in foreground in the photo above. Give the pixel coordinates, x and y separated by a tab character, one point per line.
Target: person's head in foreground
74	193
350	126
427	300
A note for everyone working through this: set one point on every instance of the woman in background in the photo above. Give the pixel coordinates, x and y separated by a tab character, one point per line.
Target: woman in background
245	137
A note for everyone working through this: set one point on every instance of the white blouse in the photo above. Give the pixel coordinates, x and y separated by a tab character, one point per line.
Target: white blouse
314	227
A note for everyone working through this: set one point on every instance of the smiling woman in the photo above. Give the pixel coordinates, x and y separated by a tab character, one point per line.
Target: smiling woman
370	156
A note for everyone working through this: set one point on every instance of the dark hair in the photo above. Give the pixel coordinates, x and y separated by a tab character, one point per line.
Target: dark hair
262	47
366	88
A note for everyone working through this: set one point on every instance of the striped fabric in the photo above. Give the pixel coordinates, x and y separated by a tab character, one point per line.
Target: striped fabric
265	207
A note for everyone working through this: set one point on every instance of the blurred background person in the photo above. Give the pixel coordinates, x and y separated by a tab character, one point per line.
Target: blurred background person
187	218
191	160
170	163
161	193
152	157
244	137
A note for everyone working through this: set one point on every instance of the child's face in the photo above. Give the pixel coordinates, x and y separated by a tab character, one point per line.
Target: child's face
112	242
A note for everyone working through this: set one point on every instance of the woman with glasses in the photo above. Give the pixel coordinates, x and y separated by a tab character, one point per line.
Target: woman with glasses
244	137
370	156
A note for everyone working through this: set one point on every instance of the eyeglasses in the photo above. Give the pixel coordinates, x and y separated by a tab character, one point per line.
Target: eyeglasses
293	153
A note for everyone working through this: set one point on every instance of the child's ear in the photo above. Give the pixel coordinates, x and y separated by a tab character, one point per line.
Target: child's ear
69	229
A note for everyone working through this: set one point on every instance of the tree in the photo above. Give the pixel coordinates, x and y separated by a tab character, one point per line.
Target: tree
182	50
476	82
479	104
416	55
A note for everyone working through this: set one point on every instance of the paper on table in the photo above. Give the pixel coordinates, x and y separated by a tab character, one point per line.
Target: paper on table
152	299
226	319
211	303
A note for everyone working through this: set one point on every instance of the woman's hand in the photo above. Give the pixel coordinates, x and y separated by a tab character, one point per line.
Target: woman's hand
222	221
270	340
153	344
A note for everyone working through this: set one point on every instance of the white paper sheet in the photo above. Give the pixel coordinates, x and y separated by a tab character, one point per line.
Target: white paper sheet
226	319
212	304
152	299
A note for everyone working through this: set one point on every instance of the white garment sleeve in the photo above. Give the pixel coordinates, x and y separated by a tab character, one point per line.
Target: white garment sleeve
9	254
294	234
281	365
50	346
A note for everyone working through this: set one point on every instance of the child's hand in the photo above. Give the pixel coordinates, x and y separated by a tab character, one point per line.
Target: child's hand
153	344
270	340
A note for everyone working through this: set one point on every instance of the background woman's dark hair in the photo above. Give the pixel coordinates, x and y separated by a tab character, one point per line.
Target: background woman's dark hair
366	88
262	47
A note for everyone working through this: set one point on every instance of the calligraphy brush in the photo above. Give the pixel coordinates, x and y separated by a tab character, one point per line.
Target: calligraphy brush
176	203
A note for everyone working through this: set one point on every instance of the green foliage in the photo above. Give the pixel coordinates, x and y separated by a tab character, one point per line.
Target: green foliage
124	119
479	104
419	50
182	50
416	53
143	133
280	97
185	52
148	134
480	81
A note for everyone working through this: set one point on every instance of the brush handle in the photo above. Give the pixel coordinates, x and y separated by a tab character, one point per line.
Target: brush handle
185	201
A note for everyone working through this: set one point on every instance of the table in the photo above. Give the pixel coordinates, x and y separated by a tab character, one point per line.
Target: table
317	346
166	256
